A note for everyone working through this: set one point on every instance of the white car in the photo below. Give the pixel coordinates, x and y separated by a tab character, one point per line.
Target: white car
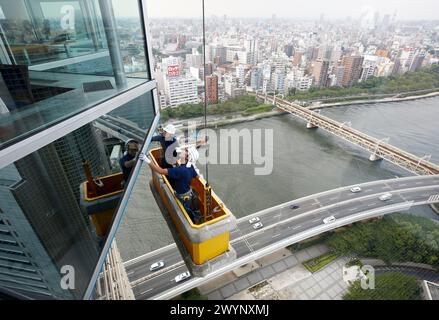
253	220
355	189
386	196
182	276
257	226
329	220
157	265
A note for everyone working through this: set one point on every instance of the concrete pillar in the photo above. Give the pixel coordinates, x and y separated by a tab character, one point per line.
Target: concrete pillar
374	157
311	125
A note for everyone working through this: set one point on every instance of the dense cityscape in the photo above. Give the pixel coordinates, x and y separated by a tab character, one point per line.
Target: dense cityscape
282	56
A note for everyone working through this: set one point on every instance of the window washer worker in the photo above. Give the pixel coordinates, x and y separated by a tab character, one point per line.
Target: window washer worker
128	161
167	139
182	176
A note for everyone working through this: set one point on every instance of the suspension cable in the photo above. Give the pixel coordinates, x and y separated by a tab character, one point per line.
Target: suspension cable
205	90
207	215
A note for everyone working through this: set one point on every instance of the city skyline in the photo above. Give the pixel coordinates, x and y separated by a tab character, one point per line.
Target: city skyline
337	9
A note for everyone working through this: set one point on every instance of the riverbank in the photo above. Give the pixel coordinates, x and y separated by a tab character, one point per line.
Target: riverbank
230	119
238	118
375	101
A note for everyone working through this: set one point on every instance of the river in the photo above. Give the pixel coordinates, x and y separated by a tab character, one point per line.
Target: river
309	161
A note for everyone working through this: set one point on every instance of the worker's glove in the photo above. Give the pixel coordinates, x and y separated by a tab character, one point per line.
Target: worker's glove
144	157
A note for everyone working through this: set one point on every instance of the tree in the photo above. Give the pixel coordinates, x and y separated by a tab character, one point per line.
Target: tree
388	286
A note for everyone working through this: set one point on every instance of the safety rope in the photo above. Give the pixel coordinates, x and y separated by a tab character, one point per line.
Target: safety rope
207	214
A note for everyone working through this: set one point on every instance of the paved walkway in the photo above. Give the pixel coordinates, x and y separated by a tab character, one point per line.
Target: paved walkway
285	279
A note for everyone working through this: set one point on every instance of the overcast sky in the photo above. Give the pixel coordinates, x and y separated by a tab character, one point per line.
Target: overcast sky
407	9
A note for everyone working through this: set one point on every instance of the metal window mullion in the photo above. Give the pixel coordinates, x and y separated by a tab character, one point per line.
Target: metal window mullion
121	210
43	138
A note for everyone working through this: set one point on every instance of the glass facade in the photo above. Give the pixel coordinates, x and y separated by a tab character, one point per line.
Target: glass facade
59	202
59	58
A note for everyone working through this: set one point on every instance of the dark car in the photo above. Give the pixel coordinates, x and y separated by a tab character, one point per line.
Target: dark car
294	207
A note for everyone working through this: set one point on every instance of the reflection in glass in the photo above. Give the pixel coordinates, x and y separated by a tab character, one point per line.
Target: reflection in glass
59	58
47	218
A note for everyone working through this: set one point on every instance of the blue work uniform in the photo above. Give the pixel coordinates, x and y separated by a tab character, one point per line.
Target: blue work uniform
182	177
126	171
165	145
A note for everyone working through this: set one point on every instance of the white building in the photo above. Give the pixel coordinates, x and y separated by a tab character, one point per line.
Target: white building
240	75
297	79
181	90
304	83
241	53
231	87
194	60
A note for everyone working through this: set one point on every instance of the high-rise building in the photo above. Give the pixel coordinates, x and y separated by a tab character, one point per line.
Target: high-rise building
312	53
338	71
289	50
406	57
237	53
181	90
352	72
212	89
231	87
251	46
320	72
279	79
256	78
417	61
240	75
195	59
297	59
218	54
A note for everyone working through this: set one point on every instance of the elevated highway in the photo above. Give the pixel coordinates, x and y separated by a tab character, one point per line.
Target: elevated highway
284	226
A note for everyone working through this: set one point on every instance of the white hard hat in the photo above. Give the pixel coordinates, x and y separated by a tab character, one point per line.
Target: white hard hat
170	128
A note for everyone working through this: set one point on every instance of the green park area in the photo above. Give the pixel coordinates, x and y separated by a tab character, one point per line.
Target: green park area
245	105
424	81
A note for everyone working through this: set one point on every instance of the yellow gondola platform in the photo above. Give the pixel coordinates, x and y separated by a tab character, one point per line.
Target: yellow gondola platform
100	201
204	247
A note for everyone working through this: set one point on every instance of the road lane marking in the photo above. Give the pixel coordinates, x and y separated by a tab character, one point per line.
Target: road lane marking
147	290
368	190
297	227
316	220
276	235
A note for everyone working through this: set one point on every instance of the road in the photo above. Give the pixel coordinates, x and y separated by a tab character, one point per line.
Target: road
283	226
